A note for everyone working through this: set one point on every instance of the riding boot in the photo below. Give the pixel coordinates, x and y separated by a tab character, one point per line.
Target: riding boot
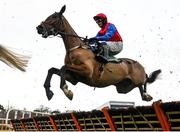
106	52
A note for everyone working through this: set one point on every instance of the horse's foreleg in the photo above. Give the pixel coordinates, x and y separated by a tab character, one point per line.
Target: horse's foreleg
47	85
64	76
63	85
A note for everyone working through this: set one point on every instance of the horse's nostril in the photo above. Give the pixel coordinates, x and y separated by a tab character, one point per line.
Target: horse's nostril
39	29
39	32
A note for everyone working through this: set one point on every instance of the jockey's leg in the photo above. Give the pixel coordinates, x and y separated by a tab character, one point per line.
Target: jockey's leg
108	54
106	51
113	48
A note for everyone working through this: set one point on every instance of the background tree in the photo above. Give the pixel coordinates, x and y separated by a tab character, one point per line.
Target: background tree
55	112
43	109
1	107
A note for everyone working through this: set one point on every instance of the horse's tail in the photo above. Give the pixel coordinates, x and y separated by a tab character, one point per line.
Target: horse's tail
152	77
13	59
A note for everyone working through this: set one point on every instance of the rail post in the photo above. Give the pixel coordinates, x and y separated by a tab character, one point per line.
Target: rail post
53	123
76	122
108	119
161	116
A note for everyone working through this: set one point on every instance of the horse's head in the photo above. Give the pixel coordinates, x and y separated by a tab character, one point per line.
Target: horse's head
53	24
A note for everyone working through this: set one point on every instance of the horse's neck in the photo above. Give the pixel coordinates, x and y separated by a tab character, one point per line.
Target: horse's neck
70	41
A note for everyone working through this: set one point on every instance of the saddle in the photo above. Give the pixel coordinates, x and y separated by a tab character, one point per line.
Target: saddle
103	59
94	46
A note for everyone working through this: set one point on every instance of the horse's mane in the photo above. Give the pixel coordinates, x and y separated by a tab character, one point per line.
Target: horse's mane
13	59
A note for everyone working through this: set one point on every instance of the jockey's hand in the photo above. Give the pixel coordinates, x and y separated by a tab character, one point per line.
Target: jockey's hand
85	40
94	39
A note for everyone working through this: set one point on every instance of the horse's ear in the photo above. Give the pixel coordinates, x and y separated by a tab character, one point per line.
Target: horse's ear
62	10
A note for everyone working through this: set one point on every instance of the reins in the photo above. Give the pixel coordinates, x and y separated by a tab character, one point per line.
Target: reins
70	35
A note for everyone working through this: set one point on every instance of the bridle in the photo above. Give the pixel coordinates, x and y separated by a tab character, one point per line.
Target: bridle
58	33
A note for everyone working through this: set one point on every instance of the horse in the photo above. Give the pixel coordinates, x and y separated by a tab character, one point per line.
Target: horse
13	59
81	64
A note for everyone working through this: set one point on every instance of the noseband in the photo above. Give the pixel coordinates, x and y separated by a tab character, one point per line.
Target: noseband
45	30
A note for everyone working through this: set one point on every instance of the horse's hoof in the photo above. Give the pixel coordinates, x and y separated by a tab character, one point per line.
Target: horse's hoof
147	97
49	94
70	95
65	87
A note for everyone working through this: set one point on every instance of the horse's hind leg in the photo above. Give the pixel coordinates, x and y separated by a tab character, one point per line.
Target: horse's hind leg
144	95
47	85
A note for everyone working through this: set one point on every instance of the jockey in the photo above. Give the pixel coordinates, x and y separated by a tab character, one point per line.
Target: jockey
109	38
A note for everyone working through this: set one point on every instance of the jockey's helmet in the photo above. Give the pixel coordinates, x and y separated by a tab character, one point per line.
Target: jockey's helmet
100	18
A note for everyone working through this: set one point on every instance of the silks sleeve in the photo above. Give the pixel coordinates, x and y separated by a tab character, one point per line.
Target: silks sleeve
108	35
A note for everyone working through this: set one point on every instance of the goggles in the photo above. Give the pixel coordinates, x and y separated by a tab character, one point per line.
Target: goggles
98	20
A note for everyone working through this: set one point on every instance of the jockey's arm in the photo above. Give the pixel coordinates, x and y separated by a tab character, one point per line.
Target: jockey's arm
110	32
